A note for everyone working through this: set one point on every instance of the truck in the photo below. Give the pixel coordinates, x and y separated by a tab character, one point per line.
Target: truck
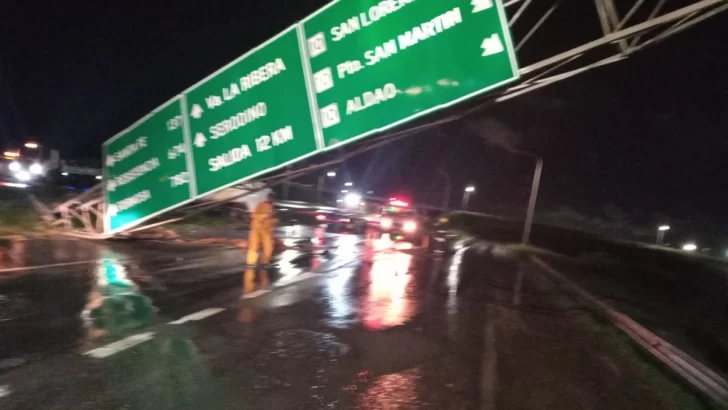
27	165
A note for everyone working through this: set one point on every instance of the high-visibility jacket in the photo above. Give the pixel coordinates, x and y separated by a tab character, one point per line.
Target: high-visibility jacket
263	217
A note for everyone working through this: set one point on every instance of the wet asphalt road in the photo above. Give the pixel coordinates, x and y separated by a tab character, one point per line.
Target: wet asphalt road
162	326
351	324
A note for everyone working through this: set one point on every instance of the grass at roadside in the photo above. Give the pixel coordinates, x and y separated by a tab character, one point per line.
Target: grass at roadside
669	386
18	217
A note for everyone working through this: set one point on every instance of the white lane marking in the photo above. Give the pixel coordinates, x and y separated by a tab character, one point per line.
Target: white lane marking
123	344
197	316
294	279
255	294
5	391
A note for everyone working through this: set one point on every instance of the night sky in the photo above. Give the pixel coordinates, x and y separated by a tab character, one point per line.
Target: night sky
643	139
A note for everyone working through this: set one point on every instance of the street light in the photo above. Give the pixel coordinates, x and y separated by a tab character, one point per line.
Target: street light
661	230
690	247
466	195
349	184
331	174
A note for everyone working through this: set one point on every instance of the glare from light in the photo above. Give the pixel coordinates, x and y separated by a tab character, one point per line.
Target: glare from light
352	199
36	169
470	189
15	166
385	223
11	154
344	191
98	176
321	217
399	203
339	201
392	199
690	247
31	145
13	185
409	226
331	174
23	176
664	228
349	184
65	174
370	192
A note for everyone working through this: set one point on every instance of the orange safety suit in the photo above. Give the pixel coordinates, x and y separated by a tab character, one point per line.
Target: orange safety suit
262	225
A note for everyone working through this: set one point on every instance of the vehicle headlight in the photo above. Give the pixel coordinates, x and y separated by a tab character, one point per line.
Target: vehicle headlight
385	223
23	176
15	166
409	226
36	169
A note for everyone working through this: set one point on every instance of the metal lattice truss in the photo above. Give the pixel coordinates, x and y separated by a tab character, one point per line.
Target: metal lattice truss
625	27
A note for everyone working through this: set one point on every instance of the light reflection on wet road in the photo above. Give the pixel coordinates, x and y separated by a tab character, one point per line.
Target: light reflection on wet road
358	289
348	324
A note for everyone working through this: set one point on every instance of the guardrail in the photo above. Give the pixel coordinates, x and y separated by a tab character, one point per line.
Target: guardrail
680	362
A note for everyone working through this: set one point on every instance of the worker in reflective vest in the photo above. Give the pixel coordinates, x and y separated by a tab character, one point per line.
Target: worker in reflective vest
262	224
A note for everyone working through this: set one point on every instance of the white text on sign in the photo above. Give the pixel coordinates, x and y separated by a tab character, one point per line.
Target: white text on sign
246	83
262	144
374	14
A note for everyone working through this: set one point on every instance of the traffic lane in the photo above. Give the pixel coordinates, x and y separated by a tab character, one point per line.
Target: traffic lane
351	338
118	293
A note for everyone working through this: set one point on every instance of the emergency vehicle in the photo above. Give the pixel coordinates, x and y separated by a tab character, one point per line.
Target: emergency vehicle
399	220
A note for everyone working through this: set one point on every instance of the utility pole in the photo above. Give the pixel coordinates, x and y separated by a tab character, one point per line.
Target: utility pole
533	198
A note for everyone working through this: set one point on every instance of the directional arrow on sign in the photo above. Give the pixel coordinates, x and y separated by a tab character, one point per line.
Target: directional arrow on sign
110	161
196	111
492	45
200	140
480	5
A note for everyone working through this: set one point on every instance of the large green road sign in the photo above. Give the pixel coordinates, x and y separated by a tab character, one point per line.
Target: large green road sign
146	168
379	63
352	69
252	116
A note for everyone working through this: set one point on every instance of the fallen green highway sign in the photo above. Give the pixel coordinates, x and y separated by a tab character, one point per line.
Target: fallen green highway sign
377	64
252	116
352	69
146	168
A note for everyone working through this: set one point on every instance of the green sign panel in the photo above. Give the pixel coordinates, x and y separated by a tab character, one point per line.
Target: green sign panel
252	116
377	64
146	168
354	68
